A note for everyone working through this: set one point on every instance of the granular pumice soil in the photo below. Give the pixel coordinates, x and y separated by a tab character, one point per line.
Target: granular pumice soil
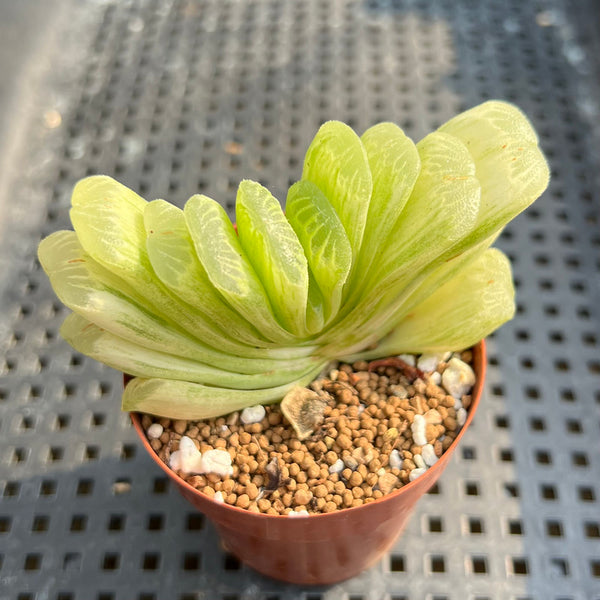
363	449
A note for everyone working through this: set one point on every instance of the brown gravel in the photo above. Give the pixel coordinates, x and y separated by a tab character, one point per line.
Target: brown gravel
368	417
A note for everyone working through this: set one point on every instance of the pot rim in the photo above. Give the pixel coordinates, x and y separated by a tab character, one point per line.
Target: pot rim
435	470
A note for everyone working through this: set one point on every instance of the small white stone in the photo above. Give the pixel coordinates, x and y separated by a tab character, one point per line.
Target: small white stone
399	391
218	497
218	462
395	459
253	414
188	458
457	404
428	454
334	374
429	361
409	359
458	378
418	460
418	430
298	513
337	467
461	416
435	378
381	472
155	431
361	408
416	473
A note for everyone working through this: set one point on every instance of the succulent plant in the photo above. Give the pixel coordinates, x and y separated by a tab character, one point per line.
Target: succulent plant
383	248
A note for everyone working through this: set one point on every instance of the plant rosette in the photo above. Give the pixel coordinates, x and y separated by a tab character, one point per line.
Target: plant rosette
383	250
319	548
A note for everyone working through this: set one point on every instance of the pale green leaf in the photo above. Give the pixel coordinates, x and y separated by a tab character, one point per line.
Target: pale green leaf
323	239
273	249
459	314
337	164
193	401
173	258
131	358
227	266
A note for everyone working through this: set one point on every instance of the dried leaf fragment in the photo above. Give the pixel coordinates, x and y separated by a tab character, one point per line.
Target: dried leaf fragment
304	409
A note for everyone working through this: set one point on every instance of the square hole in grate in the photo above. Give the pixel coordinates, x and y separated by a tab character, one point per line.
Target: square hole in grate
573	426
537	424
25	596
33	562
65	596
85	487
110	561
437	563
116	523
91	453
71	561
231	562
595	568
155	522
106	596
506	455
515	526
592	529
48	487
194	522
554	528
40	523
19	455
435	524
435	489
62	422
519	565
128	451
580	459
397	563
469	453
479	565
11	489
78	523
471	488
55	453
146	596
150	561
160	485
543	457
98	419
191	561
560	567
548	492
475	525
502	422
5	524
586	493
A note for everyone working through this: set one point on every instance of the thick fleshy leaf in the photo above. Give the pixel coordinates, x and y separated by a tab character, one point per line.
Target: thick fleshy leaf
395	165
173	258
510	167
323	239
275	252
192	401
110	227
95	293
337	164
227	266
442	209
469	307
131	358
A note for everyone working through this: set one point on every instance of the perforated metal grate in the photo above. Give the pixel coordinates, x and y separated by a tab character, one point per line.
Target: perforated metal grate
180	97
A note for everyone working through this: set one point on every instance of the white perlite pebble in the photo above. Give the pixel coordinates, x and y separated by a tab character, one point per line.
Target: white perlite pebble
395	459
428	454
337	467
416	473
429	361
188	458
298	513
155	431
458	378
461	416
435	378
218	497
409	359
418	460
253	414
418	430
218	462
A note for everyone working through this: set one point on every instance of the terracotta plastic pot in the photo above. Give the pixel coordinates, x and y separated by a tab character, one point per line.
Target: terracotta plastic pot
324	548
